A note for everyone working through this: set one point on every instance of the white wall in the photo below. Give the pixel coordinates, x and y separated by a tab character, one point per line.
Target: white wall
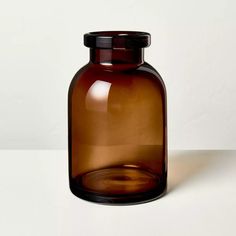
193	48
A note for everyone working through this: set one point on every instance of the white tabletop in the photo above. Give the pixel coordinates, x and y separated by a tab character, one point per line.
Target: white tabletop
35	199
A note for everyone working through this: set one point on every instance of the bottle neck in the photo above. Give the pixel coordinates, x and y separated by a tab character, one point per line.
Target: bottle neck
117	56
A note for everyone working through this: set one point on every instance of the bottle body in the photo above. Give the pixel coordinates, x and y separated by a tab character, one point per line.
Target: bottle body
117	133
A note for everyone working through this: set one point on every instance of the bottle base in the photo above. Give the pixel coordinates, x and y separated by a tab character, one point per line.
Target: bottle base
118	185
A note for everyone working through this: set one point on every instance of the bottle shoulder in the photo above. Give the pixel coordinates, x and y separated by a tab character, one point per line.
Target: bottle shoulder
143	74
150	72
77	75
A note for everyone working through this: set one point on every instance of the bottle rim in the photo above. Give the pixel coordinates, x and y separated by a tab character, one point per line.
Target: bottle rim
117	39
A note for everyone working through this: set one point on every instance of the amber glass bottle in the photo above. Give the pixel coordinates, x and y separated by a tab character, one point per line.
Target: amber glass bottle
117	122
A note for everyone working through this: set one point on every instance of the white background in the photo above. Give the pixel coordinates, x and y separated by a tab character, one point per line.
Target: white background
193	48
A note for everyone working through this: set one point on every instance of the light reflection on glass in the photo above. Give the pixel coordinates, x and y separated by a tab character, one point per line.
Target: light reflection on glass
97	96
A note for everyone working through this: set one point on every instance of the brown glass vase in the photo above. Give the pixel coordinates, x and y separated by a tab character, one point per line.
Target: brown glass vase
117	122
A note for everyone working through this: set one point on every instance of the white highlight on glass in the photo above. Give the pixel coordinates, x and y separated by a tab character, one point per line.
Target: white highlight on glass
97	96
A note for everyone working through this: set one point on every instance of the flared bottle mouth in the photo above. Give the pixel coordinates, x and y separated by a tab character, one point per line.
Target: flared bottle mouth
117	39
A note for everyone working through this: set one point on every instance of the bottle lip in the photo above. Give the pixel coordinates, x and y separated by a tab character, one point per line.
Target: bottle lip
117	39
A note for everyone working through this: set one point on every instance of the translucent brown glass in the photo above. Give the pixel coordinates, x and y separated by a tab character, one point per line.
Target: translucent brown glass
117	128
